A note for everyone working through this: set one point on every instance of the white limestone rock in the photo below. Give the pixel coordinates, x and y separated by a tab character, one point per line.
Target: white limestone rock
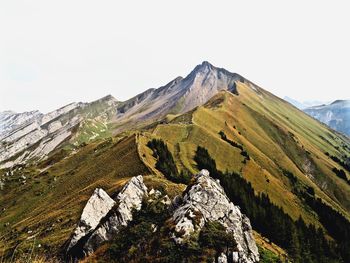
96	208
10	120
103	217
129	199
206	201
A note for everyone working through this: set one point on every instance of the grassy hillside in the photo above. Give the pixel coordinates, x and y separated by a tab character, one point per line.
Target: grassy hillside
277	137
44	207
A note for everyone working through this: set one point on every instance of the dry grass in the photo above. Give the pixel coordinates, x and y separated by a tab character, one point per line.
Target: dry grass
266	244
49	205
275	134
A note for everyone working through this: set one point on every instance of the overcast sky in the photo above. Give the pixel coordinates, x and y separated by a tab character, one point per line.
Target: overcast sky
56	52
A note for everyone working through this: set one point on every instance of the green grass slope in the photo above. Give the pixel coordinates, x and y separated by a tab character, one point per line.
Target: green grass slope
277	136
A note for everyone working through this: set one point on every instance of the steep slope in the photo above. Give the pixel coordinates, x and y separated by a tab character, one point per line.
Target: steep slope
42	203
35	137
277	137
10	120
336	115
178	96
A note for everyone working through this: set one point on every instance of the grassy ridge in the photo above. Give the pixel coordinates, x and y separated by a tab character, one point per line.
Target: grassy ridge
275	134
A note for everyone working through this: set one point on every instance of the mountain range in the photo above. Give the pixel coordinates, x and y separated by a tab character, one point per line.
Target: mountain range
305	104
288	173
336	115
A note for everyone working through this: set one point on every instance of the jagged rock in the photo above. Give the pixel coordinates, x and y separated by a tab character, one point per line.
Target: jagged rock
104	226
128	199
96	208
205	201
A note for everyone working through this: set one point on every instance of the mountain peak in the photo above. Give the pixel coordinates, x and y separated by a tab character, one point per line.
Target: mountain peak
340	101
205	66
108	98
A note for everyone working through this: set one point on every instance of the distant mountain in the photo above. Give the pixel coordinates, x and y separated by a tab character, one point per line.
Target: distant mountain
10	120
336	115
305	104
33	135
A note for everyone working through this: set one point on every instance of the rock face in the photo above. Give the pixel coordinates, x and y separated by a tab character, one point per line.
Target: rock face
96	208
10	120
178	96
206	201
103	217
33	135
46	131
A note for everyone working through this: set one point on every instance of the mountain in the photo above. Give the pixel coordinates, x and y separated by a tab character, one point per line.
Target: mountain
10	120
288	173
336	115
178	96
305	104
46	132
32	136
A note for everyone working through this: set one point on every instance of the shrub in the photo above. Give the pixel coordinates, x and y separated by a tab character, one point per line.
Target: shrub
165	162
213	235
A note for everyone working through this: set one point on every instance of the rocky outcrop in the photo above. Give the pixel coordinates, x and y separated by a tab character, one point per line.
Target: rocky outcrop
33	136
38	136
106	219
204	201
10	120
96	208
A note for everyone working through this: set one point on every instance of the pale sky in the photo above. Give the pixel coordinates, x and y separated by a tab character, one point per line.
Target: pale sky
56	52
